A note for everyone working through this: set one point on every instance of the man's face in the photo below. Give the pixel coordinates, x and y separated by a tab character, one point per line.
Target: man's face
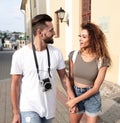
48	33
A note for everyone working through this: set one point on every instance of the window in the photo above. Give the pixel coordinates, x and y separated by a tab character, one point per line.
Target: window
86	11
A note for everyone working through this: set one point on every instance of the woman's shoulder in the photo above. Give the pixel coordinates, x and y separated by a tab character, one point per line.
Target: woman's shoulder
72	55
102	62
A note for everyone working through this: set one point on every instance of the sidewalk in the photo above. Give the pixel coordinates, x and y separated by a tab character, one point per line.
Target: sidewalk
5	103
110	98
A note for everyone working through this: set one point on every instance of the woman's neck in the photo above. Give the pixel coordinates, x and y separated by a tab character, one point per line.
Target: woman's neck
88	53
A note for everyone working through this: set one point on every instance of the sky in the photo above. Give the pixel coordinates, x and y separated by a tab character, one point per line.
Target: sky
11	17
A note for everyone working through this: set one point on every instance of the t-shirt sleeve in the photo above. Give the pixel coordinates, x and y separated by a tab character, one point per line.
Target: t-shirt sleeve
61	63
70	55
16	65
105	62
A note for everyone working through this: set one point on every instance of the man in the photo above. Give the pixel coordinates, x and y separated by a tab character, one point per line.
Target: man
33	88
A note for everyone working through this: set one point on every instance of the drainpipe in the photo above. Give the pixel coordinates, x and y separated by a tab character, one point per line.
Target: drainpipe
31	36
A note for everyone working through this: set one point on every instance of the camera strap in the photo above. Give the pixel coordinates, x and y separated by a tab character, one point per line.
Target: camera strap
48	61
36	62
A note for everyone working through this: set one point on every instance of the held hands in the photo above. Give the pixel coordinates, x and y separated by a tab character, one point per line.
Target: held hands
72	105
71	101
73	110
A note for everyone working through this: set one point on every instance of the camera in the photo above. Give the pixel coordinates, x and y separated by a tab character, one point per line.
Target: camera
46	84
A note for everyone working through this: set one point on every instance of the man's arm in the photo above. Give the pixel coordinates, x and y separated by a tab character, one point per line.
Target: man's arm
66	82
15	93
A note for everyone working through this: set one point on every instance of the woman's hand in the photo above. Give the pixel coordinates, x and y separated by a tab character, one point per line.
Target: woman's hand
71	103
74	109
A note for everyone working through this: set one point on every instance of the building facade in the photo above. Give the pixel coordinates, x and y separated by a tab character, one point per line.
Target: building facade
77	11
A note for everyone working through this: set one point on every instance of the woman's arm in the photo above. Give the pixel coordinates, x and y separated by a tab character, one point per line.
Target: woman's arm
71	72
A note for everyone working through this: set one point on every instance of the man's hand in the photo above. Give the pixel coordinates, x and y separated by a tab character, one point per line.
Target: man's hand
74	109
16	118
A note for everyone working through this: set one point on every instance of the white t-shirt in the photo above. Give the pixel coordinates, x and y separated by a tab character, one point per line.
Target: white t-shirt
31	96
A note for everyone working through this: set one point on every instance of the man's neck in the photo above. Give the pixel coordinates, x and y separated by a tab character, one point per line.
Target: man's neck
39	45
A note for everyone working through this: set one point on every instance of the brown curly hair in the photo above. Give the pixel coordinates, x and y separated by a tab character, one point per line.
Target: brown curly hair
97	40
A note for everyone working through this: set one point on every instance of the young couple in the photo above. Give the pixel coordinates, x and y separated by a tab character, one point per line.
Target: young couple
33	69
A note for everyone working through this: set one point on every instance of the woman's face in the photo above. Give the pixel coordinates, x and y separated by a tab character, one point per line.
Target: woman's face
84	38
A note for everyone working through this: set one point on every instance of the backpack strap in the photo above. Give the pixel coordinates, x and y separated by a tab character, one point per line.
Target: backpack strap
74	55
99	63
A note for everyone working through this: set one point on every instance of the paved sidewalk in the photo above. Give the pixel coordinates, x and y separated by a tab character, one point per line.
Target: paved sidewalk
5	103
110	99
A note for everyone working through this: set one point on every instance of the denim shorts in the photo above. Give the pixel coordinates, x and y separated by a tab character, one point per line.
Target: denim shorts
33	117
92	105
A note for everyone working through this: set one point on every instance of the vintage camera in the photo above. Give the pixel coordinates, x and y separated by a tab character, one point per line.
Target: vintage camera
46	84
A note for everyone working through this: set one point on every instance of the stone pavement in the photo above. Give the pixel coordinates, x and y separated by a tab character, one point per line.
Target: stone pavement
5	103
110	93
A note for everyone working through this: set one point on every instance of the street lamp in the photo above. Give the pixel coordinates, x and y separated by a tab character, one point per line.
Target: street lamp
61	14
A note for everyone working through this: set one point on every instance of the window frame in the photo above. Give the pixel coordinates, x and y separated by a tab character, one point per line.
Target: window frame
86	11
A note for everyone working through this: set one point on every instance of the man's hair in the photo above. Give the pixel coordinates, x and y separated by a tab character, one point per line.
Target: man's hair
38	22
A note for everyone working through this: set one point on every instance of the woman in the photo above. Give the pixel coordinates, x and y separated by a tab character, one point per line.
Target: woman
87	72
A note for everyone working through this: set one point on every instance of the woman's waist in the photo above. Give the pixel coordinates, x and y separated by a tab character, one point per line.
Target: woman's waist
82	85
84	81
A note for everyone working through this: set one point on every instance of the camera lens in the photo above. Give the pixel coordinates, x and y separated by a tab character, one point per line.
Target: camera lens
48	85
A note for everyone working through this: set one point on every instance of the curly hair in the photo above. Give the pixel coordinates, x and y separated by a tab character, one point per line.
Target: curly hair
97	40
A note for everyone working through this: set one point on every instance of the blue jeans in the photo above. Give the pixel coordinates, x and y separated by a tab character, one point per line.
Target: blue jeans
92	105
33	117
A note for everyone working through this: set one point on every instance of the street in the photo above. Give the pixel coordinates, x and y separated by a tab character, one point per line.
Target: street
5	63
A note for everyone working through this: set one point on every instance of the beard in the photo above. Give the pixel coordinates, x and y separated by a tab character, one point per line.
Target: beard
48	40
